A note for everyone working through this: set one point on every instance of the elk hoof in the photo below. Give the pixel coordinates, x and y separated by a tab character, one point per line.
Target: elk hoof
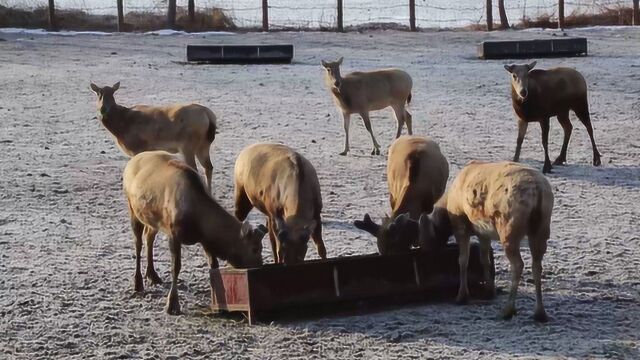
489	292
596	161
462	299
153	278
546	169
137	283
344	153
559	161
173	306
540	316
375	151
509	312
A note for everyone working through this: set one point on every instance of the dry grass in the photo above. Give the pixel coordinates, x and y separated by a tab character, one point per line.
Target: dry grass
78	20
607	16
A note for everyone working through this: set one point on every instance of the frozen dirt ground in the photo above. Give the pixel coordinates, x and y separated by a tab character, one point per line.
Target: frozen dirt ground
66	250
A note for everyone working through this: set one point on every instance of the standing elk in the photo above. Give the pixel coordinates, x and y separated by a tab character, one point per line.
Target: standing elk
283	185
505	201
362	92
537	95
417	175
187	129
165	194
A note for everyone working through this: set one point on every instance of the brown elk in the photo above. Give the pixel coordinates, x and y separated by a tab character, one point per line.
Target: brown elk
417	175
505	201
165	194
362	92
188	129
283	185
537	95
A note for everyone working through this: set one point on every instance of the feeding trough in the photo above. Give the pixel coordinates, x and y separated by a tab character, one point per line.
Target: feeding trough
322	286
240	54
560	47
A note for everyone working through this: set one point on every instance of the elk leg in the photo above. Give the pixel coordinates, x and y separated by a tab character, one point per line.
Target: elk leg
274	240
563	118
205	160
408	120
538	247
544	126
485	260
399	112
317	238
522	131
367	124
347	120
149	237
243	204
512	250
585	118
463	261
190	159
137	228
173	303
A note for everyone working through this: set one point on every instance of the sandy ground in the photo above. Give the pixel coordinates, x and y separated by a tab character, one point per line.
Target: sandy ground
66	251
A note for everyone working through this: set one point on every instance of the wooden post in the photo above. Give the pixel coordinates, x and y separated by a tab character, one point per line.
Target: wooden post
192	11
340	17
265	15
504	22
412	15
171	14
52	16
120	16
489	15
560	14
636	12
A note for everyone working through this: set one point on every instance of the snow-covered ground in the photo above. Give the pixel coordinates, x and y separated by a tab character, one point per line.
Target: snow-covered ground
66	250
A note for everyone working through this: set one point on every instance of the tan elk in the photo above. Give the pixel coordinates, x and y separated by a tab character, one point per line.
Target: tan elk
362	92
165	194
505	201
417	175
537	95
187	129
283	185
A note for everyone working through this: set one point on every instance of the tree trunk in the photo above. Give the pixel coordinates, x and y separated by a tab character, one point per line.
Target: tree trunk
636	12
120	16
489	15
412	15
52	16
192	11
171	14
340	17
504	22
265	15
560	14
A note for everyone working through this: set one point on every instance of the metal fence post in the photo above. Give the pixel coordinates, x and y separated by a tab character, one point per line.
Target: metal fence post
561	14
340	17
412	15
489	15
52	16
120	16
265	15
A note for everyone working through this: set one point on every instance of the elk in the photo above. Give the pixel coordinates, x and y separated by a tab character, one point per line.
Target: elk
538	94
283	185
362	92
165	194
187	129
505	201
417	175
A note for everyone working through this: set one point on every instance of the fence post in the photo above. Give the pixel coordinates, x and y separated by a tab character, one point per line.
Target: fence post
636	12
340	17
265	15
52	16
171	14
120	16
192	11
489	16
412	15
504	22
560	14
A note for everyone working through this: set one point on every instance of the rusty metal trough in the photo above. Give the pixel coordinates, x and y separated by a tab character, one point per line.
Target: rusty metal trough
353	282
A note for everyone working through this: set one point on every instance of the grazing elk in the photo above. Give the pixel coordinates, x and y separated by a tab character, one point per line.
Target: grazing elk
417	175
505	201
166	194
283	185
538	94
188	129
362	92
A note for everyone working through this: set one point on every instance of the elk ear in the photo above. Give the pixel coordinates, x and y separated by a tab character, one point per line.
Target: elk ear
509	68
95	88
339	62
532	65
367	225
325	64
116	86
261	230
245	229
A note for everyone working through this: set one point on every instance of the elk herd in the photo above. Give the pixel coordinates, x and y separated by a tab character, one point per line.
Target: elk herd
502	201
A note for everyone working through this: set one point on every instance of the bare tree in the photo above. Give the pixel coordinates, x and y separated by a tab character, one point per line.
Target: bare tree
192	11
52	16
171	14
504	23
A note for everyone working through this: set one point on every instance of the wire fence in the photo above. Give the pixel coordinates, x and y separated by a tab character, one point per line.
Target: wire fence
315	14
